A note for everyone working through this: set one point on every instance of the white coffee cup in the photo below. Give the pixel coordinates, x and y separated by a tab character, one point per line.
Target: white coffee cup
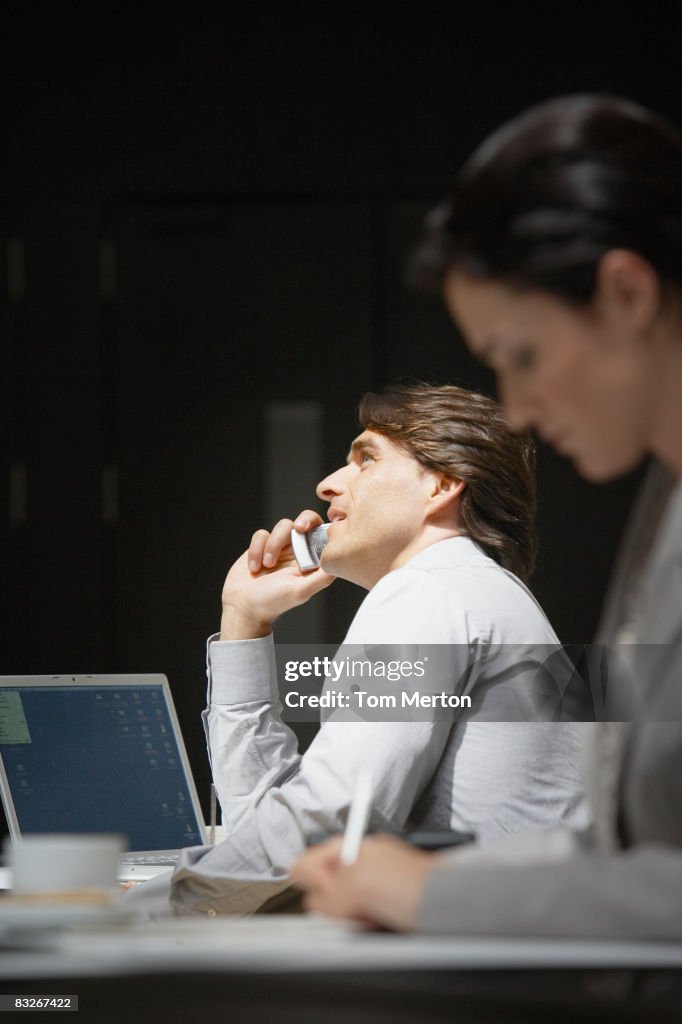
78	866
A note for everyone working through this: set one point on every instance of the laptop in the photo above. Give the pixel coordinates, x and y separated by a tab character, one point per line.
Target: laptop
99	753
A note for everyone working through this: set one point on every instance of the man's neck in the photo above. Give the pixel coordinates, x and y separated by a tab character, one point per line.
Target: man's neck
432	534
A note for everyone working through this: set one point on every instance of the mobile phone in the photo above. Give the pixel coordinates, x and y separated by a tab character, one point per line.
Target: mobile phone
309	546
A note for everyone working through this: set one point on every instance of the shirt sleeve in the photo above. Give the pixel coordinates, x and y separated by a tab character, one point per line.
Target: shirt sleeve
258	770
250	747
272	797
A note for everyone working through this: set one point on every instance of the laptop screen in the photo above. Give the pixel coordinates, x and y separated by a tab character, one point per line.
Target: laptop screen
96	754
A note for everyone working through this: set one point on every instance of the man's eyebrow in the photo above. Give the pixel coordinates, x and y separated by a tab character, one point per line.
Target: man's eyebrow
359	447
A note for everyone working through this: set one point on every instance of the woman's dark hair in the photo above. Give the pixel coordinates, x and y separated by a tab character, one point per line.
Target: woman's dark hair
464	435
550	192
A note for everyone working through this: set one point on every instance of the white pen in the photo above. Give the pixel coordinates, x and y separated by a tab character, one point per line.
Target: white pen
358	817
214	816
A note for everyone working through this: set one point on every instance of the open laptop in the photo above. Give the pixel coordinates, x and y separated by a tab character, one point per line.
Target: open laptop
100	753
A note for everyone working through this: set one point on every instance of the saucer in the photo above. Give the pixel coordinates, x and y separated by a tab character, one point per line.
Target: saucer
26	919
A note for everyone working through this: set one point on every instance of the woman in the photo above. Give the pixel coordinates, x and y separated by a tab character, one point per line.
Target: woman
559	254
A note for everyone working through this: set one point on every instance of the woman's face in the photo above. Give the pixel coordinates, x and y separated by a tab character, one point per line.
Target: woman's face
576	375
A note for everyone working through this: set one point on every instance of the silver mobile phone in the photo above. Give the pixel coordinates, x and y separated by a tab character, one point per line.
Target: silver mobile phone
309	546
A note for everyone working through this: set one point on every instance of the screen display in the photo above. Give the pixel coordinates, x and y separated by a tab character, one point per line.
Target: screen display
83	758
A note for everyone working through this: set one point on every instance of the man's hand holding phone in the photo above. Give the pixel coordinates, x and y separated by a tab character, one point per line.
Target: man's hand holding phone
266	581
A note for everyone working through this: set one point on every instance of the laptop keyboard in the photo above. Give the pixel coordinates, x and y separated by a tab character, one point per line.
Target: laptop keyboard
169	859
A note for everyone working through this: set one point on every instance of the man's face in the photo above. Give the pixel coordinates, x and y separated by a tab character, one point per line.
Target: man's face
377	507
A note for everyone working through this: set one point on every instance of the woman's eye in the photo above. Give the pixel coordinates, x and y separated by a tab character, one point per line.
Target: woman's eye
523	359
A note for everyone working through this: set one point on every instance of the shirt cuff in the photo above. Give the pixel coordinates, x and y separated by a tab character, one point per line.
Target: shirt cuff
241	671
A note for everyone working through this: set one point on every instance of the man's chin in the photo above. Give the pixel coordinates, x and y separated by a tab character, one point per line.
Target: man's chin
340	566
332	563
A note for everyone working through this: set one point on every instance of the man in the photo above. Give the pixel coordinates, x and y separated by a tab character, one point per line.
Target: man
433	515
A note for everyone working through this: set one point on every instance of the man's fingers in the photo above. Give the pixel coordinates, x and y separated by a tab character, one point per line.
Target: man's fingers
266	546
279	539
306	520
254	556
312	582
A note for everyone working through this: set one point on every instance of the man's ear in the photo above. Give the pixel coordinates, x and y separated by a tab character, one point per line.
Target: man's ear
445	490
628	290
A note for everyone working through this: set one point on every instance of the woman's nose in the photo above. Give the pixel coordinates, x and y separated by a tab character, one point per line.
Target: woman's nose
519	411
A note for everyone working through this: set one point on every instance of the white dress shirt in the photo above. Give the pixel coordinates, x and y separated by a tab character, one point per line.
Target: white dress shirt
493	778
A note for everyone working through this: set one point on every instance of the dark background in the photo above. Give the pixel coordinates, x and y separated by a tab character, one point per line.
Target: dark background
207	213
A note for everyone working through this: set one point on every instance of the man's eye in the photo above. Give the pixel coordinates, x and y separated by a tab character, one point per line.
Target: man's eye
366	457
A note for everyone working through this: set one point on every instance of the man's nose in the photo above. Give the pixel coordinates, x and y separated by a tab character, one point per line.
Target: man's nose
332	485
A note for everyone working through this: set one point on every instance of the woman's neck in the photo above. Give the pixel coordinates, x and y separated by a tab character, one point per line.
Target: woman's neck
667	432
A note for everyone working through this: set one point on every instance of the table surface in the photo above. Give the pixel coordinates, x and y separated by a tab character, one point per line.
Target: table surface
299	943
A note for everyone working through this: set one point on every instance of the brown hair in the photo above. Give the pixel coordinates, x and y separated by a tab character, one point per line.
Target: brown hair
464	434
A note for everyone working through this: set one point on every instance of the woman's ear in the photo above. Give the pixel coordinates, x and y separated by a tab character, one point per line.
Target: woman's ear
627	290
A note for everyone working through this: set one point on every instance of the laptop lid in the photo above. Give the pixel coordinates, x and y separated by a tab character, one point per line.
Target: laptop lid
100	753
